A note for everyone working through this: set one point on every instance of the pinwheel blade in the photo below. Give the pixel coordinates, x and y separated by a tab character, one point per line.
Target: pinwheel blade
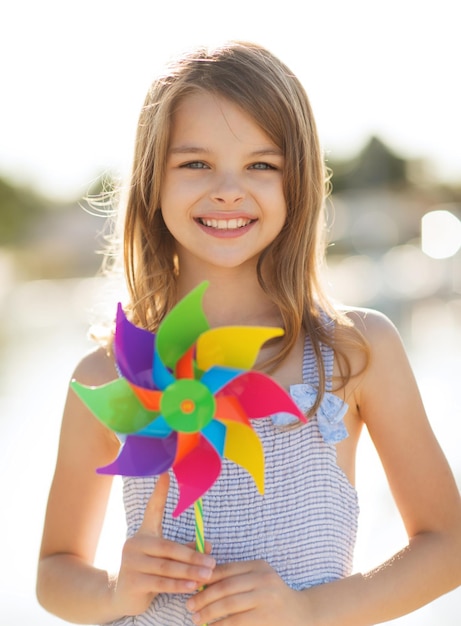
157	428
181	327
244	447
229	408
215	432
143	456
233	346
134	349
217	377
162	376
150	398
186	443
185	365
195	474
260	396
115	405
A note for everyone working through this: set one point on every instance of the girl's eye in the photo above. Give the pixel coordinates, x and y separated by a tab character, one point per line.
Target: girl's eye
195	165
262	166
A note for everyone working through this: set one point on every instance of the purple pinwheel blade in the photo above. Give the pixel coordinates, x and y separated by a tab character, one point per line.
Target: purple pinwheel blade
260	396
143	456
134	349
196	473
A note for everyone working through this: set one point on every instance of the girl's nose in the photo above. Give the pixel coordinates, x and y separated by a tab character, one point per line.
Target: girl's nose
228	190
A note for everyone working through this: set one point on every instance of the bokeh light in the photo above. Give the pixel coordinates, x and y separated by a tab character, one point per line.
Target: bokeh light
440	234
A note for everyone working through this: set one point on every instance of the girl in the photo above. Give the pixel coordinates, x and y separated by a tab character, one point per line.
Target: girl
228	185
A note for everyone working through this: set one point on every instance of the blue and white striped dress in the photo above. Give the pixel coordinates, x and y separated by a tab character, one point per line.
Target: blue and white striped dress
304	526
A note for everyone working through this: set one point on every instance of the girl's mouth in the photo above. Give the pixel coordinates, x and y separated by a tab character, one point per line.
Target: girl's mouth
230	224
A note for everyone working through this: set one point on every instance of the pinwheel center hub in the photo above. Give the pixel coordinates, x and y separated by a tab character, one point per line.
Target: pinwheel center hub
187	405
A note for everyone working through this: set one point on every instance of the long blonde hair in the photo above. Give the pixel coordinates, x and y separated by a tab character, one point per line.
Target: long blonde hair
254	79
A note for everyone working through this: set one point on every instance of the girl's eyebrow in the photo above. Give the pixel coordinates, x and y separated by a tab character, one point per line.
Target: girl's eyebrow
269	151
187	149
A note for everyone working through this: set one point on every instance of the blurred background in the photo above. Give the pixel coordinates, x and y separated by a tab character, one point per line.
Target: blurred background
382	79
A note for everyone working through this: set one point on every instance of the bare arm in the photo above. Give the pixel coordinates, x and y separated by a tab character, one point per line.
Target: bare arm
423	487
76	507
68	584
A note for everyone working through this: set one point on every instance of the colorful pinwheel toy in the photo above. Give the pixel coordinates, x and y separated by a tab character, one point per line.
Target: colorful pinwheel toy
184	400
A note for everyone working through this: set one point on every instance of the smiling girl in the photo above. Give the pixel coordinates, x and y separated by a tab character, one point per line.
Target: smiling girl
228	185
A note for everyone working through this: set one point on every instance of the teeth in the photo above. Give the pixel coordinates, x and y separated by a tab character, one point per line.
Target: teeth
225	224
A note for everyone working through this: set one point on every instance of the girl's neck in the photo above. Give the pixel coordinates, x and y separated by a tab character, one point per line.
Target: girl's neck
232	298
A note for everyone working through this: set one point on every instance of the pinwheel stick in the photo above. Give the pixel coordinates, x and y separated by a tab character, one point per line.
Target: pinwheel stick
199	530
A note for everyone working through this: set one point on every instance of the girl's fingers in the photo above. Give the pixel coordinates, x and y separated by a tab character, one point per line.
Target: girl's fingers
155	508
208	546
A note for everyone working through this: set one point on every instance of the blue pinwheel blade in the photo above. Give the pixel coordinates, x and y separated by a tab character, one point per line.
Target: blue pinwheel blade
162	375
215	433
157	428
218	376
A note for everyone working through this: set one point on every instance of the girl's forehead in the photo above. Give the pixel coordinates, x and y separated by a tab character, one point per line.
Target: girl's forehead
216	117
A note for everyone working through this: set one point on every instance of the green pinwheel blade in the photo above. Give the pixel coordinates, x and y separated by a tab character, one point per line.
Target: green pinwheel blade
115	405
181	327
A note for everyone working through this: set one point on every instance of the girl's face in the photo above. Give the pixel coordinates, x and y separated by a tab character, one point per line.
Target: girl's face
222	196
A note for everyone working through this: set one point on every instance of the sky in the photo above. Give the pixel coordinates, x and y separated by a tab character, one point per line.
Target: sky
74	75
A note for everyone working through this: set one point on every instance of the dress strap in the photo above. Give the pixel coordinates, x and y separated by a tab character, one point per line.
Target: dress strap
310	368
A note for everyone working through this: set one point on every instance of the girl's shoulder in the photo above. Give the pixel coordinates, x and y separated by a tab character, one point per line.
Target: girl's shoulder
384	362
368	342
373	325
96	368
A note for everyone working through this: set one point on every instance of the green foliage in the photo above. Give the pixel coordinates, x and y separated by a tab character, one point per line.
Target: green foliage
375	166
20	208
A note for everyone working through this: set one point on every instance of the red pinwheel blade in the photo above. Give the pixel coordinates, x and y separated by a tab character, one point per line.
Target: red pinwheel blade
134	351
185	365
228	408
196	473
186	443
150	398
260	396
143	456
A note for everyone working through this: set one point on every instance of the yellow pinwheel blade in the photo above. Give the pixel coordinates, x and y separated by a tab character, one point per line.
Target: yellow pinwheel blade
233	346
244	447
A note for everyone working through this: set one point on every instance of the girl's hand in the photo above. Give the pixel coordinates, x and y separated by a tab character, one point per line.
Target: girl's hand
152	564
249	593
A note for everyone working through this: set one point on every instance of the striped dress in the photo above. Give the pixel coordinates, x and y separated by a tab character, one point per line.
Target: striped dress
304	526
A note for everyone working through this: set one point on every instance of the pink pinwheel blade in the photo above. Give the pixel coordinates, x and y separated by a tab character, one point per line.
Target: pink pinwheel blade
260	396
196	473
134	351
143	456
